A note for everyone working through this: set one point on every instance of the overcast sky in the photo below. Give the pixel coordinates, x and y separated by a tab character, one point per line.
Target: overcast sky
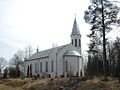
39	23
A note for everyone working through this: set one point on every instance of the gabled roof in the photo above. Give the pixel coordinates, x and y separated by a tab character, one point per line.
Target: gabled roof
40	54
45	53
75	29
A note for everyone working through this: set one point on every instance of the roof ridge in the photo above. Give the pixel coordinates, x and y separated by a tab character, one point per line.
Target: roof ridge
45	53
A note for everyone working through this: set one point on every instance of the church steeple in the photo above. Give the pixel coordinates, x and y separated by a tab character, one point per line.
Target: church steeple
76	36
75	29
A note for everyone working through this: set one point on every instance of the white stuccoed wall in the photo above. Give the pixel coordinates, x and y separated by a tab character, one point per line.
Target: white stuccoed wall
43	60
58	58
73	64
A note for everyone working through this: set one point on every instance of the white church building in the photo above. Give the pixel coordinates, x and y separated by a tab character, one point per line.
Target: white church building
58	61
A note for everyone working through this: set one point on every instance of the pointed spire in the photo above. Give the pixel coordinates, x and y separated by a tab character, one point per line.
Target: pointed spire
75	29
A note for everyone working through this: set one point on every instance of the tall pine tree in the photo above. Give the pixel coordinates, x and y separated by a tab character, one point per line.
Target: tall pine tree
101	15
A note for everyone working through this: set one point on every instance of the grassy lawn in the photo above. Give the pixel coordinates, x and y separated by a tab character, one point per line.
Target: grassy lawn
58	84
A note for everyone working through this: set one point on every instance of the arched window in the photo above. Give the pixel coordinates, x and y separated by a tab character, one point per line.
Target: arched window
79	43
72	41
36	67
40	66
31	70
52	66
28	70
46	66
66	66
75	42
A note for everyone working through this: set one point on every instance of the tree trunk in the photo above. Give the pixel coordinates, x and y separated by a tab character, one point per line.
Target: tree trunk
104	42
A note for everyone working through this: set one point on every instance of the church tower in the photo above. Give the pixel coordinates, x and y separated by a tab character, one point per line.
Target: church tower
76	36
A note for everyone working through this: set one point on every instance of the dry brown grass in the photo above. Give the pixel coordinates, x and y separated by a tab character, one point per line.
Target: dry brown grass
58	84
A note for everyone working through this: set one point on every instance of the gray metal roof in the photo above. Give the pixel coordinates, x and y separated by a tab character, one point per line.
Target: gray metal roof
72	53
75	29
44	53
40	54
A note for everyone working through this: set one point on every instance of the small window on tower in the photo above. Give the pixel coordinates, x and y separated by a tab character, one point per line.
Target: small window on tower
75	42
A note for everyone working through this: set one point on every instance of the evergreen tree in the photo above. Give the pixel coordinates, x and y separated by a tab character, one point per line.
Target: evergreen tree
115	53
101	15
